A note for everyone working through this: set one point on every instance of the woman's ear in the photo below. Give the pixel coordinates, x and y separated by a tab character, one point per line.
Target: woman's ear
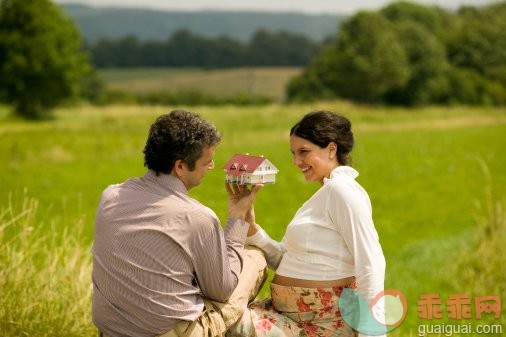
332	147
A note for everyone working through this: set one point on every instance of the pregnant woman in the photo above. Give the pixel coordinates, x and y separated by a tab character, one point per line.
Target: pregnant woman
330	244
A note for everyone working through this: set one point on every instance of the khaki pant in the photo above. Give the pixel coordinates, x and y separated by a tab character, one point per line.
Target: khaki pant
217	317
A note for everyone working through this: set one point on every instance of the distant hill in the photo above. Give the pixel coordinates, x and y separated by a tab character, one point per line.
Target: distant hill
113	22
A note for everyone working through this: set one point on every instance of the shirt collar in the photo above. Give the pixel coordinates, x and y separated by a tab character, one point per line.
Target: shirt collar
167	180
346	170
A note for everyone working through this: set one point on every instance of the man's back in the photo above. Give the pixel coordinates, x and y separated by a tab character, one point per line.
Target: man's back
149	236
161	260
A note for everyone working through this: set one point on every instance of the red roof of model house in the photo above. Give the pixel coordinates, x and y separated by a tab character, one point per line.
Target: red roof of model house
243	163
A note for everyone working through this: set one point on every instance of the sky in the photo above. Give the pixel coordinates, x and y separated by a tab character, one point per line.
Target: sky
303	6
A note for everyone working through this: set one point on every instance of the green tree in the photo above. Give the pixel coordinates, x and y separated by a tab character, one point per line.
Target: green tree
280	48
477	52
42	62
480	44
422	32
370	58
412	55
185	49
428	66
318	79
365	63
434	19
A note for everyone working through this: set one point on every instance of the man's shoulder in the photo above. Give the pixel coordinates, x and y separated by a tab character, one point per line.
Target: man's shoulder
111	191
196	208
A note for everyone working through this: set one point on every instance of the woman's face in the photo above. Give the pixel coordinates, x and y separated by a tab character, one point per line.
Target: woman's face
315	162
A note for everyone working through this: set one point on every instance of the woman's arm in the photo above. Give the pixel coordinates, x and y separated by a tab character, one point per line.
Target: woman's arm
350	209
272	249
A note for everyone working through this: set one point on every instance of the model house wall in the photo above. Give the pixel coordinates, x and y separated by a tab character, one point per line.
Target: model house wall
244	169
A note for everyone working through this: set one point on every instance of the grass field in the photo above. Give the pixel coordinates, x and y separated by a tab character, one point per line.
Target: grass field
436	178
268	82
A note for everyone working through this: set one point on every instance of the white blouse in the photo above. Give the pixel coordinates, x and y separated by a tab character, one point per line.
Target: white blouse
332	236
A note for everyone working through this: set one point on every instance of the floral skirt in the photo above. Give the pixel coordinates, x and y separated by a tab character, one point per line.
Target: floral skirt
295	311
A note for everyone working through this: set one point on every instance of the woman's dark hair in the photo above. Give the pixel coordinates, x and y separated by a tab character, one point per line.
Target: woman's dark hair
178	135
324	127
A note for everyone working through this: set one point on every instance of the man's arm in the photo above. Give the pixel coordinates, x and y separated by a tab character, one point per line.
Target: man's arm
220	266
218	273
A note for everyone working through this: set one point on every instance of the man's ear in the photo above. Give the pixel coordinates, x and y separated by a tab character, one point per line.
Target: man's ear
178	169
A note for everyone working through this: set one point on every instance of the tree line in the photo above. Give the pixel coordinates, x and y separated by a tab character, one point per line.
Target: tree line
410	54
185	49
404	54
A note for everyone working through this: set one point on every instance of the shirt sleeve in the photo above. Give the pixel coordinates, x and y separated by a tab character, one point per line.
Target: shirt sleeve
219	260
349	208
272	249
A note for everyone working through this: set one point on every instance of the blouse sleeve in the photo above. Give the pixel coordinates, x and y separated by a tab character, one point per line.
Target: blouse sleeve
272	249
350	209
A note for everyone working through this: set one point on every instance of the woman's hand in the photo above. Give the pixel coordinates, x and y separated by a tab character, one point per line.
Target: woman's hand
250	218
250	215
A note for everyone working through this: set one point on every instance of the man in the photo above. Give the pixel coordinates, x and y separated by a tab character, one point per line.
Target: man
162	264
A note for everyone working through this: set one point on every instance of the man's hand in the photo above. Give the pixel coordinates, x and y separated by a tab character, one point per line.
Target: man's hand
240	201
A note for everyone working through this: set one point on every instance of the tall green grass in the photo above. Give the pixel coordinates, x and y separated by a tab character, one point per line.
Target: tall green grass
46	286
483	268
423	169
45	276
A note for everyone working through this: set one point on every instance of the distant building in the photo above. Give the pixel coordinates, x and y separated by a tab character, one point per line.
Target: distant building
244	169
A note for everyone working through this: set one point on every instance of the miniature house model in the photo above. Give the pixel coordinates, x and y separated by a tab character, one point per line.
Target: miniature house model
244	169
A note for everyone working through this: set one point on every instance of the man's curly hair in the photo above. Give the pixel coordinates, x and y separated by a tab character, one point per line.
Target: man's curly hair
178	135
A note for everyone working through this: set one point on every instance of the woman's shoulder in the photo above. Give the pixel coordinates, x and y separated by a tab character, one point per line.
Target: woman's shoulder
342	183
342	177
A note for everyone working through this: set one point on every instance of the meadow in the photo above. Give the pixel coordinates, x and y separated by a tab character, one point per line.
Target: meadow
436	177
260	81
